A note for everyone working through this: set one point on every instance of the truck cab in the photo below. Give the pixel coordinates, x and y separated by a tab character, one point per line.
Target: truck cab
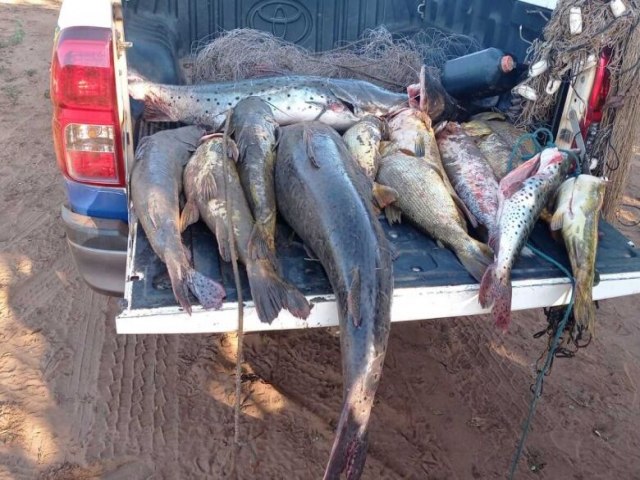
96	127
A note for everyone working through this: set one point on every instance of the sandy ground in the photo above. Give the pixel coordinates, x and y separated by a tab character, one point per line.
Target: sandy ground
79	402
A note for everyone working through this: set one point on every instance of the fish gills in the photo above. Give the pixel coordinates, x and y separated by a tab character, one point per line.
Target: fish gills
578	207
205	189
320	195
425	200
523	194
156	183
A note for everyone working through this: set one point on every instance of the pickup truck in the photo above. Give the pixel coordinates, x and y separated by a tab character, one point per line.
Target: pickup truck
96	127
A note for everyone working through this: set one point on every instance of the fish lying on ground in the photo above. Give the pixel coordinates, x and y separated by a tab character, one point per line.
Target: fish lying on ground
336	102
204	184
156	183
254	130
425	200
523	194
577	211
322	194
363	141
470	174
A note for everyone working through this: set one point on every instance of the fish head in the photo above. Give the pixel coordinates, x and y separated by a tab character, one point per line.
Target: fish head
550	157
339	115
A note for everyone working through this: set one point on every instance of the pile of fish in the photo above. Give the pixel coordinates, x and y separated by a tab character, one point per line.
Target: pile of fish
275	151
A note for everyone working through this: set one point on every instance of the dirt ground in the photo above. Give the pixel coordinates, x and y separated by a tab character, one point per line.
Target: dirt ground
79	402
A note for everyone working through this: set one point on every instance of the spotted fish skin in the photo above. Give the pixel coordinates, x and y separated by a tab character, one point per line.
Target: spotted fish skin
363	141
336	102
577	211
470	174
207	189
522	196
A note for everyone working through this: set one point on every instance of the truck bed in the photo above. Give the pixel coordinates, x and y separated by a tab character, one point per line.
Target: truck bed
429	281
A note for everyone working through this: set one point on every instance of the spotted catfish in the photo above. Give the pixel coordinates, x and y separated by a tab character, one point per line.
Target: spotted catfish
523	194
336	102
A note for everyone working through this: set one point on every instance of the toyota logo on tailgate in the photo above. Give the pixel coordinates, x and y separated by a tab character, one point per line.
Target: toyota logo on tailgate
286	19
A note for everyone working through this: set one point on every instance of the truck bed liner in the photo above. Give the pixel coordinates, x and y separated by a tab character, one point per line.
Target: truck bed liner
429	281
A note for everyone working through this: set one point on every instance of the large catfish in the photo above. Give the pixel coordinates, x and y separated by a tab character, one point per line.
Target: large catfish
323	195
156	183
295	98
207	191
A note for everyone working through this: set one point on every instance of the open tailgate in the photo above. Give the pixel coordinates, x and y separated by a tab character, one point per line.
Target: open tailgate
429	281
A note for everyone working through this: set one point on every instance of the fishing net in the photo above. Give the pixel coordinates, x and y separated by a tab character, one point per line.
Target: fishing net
378	57
565	52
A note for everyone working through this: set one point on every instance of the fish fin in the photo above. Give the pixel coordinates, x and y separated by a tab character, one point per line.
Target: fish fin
584	309
485	294
513	180
189	215
464	210
384	195
477	128
222	237
208	187
353	298
393	214
497	291
232	149
475	258
306	138
271	294
155	109
527	252
178	273
138	87
501	310
209	292
484	116
546	216
258	246
557	220
349	450
420	148
310	253
406	151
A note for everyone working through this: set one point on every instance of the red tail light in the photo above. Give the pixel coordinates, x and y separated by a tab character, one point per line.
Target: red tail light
599	92
85	119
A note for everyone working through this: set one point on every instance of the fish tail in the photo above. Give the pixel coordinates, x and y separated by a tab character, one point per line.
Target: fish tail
475	257
138	87
497	290
502	303
178	275
485	295
259	246
155	108
209	292
349	450
584	309
271	294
